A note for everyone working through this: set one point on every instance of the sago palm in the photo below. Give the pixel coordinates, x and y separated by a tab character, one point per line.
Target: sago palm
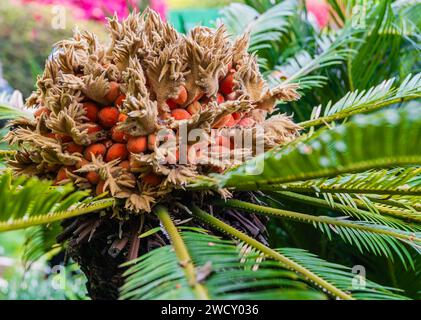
147	217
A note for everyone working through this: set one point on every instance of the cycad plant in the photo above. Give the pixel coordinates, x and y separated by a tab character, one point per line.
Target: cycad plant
302	212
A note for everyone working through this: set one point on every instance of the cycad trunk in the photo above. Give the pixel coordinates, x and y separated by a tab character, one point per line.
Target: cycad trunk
100	244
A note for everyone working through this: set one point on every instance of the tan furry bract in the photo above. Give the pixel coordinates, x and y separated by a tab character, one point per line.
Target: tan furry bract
151	63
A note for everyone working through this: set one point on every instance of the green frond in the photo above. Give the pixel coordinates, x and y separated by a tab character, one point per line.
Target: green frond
382	42
357	102
333	285
224	270
365	235
402	181
266	27
329	153
4	154
7	111
358	207
25	202
182	253
39	242
342	277
331	50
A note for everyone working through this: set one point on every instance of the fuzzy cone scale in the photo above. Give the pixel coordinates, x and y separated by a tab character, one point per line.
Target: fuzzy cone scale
100	109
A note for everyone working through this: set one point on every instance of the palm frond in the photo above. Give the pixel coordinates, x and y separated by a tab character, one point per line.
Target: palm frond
342	276
200	266
39	242
331	49
330	284
4	154
365	235
11	106
375	98
381	41
330	153
361	208
264	28
404	181
231	271
26	202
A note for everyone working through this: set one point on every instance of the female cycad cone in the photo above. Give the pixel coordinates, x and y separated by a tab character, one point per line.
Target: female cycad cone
101	109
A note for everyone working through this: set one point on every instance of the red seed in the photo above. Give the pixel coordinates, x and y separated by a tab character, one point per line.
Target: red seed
50	135
100	188
182	96
151	142
93	177
113	92
231	122
93	128
135	165
205	100
236	115
125	164
118	135
74	148
222	122
152	179
137	144
194	107
171	104
62	174
97	149
116	151
122	117
108	116
91	110
220	98
246	122
41	111
180	114
63	137
81	163
198	96
119	101
227	85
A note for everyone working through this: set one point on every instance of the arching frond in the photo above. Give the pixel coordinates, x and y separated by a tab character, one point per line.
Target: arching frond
403	181
331	50
330	153
365	235
378	43
268	26
356	102
200	266
39	242
4	154
229	271
25	202
343	277
304	265
11	106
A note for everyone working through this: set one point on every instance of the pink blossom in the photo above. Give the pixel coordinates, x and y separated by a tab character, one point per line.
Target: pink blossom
100	9
318	10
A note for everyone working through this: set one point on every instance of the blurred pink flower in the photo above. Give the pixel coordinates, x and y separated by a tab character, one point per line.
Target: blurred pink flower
159	6
319	11
100	9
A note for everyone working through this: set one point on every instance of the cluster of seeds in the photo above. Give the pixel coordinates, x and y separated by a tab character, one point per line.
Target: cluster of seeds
106	114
